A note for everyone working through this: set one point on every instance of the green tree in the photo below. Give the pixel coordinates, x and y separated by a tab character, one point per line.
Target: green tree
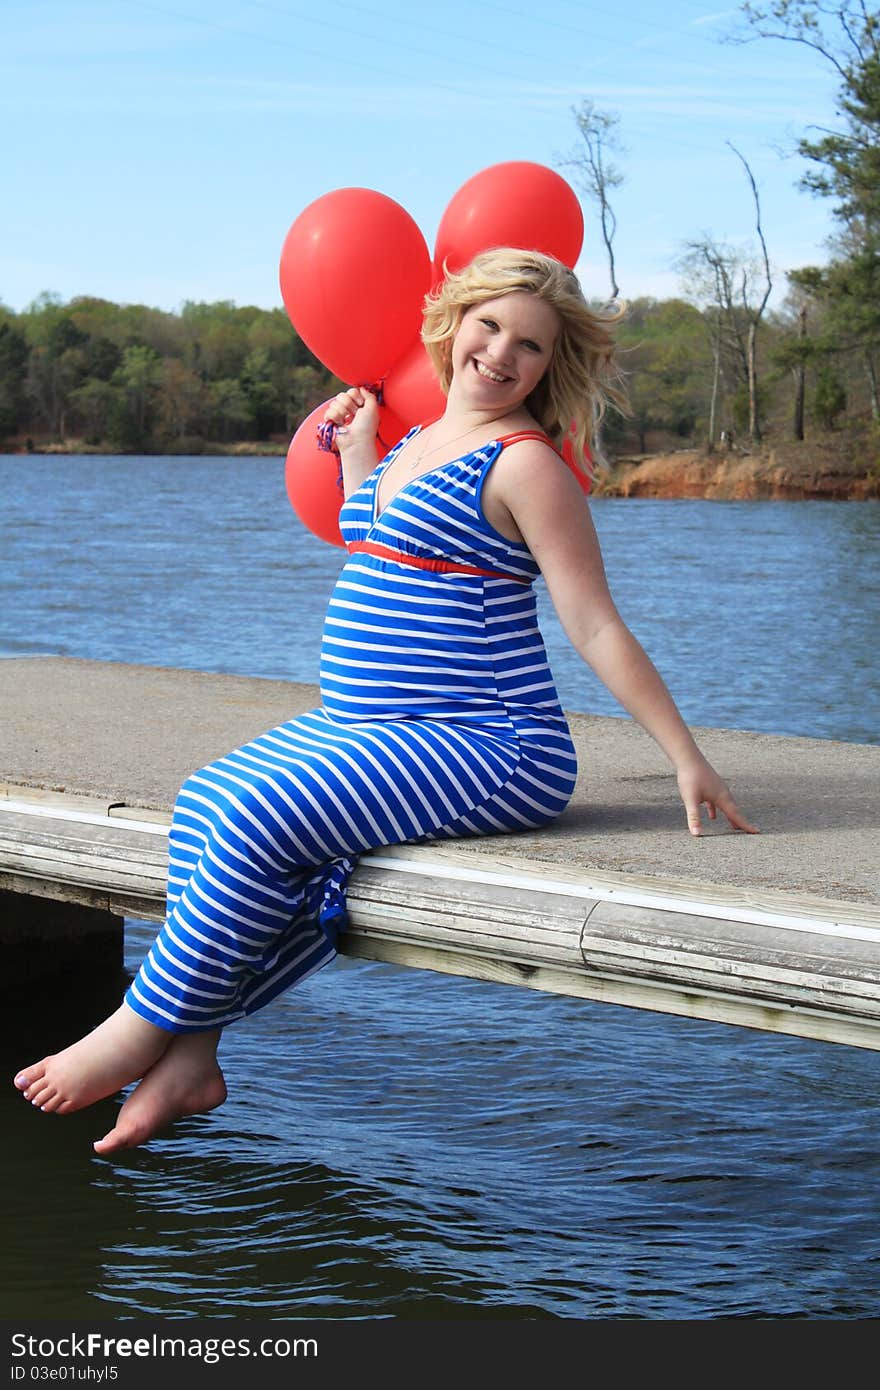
182	401
662	349
138	377
829	397
55	366
228	409
260	390
793	353
94	404
307	387
13	375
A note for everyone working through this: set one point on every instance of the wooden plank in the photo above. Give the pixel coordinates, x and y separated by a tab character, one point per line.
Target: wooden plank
640	942
493	920
107	855
728	902
27	886
729	1009
687	950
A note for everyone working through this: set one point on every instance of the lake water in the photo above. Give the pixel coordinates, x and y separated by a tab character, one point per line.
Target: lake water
399	1144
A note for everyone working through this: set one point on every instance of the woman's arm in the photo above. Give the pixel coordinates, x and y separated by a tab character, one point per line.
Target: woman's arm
355	412
549	509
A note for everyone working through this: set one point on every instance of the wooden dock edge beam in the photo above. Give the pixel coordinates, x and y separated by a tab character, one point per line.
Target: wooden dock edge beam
780	963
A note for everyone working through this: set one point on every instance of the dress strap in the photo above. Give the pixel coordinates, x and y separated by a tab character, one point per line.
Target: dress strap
517	435
425	562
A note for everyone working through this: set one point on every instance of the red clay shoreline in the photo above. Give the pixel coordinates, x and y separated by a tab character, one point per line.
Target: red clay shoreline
783	473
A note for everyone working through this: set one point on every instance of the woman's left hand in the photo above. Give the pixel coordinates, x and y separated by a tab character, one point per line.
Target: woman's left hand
699	785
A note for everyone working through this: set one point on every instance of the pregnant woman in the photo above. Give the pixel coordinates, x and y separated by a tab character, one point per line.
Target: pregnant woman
439	716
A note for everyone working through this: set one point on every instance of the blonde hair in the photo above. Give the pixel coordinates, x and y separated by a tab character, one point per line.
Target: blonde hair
583	377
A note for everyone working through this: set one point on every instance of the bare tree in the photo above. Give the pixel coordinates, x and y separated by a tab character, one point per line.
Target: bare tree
810	22
845	162
717	341
711	271
754	313
728	284
595	174
800	376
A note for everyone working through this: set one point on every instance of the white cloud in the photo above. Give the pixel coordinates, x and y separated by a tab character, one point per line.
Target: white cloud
714	18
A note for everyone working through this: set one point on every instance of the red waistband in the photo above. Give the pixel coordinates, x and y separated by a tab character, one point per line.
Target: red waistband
424	562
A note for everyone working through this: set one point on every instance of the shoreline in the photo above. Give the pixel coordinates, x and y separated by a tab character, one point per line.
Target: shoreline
778	472
826	470
254	448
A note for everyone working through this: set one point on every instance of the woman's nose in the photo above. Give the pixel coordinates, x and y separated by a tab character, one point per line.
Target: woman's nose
499	350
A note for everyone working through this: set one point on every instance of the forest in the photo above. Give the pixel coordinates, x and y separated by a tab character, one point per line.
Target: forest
713	368
130	379
133	379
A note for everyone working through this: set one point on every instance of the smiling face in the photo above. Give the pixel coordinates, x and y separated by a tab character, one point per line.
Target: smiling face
503	348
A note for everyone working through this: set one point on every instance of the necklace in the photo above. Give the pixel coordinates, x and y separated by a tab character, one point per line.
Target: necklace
437	447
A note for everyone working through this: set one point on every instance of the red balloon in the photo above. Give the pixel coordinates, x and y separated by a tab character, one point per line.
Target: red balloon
514	204
354	271
311	474
568	453
412	390
391	430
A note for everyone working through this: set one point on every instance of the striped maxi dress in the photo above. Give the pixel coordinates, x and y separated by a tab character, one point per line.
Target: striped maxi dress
439	719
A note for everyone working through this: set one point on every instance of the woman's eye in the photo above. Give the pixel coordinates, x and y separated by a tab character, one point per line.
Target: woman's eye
533	347
489	323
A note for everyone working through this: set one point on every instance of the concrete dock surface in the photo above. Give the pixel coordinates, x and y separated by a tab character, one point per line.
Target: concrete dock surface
128	735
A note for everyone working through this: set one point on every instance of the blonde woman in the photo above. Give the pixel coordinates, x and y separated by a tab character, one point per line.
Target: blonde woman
439	716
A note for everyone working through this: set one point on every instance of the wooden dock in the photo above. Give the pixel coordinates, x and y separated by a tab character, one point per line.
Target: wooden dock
614	903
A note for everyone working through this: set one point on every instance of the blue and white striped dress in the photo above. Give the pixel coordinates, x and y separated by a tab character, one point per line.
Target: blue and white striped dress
439	719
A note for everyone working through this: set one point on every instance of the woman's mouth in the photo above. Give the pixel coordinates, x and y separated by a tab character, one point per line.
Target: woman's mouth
489	373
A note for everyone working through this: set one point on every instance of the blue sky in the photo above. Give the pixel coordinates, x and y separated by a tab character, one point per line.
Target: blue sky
158	152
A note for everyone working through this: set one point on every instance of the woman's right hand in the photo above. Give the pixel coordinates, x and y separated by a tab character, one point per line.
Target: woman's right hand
355	413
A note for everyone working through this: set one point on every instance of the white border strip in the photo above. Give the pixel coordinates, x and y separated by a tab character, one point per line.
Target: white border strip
632	898
536	883
30	808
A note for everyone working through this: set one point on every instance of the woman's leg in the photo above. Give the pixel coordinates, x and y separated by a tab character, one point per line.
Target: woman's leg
262	844
253	892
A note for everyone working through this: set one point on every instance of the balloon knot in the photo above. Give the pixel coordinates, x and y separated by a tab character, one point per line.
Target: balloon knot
326	435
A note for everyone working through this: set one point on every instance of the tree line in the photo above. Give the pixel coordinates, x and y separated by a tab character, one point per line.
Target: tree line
131	379
135	379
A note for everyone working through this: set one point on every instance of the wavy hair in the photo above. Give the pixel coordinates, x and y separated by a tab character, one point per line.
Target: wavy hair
583	376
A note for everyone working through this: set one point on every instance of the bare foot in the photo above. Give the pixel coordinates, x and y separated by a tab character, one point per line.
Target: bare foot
119	1051
186	1080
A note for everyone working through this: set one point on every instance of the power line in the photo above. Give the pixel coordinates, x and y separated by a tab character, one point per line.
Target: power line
371	67
275	42
411	23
